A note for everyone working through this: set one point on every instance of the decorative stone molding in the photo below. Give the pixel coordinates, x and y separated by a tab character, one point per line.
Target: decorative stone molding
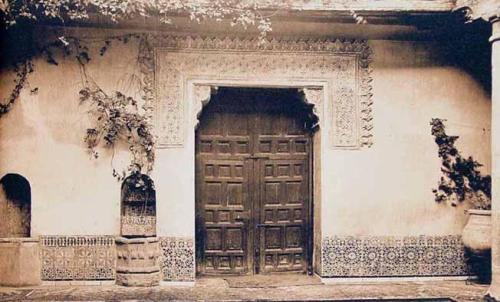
384	256
177	258
78	257
315	97
344	64
479	9
201	97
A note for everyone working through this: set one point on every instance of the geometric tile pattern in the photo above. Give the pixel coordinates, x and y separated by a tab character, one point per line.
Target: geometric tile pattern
177	258
78	257
386	256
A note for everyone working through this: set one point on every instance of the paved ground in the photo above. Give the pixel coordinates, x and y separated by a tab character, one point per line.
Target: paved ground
215	289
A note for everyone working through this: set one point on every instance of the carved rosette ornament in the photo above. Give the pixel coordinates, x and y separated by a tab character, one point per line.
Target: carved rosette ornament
342	64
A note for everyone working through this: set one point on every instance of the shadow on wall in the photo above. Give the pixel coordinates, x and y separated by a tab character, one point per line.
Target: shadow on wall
468	48
15	206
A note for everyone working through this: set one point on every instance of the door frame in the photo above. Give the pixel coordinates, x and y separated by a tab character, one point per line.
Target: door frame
198	91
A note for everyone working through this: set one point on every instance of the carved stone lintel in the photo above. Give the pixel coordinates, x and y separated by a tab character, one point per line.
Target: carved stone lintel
480	9
343	64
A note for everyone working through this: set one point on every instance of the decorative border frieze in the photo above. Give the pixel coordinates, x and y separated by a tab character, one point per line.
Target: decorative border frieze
383	256
177	258
78	257
344	64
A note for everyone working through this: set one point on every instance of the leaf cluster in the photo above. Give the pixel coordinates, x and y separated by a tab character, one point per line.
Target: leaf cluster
118	118
461	178
242	12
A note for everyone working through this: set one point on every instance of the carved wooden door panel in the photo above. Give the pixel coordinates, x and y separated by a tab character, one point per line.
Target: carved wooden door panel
252	168
283	146
226	212
224	234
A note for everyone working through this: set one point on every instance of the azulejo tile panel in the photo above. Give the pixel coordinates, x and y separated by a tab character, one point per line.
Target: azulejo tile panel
385	256
78	257
177	258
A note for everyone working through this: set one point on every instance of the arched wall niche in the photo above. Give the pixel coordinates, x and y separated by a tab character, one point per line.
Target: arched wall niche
138	206
15	206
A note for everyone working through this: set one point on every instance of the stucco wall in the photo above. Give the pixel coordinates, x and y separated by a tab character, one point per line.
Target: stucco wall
383	190
386	190
42	139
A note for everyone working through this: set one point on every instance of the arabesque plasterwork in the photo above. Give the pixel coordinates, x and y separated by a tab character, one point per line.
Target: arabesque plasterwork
344	65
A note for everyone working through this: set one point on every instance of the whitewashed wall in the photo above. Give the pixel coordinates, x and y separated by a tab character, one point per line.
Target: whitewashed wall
384	190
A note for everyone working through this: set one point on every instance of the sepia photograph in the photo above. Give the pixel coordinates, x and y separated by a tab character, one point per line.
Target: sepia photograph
250	150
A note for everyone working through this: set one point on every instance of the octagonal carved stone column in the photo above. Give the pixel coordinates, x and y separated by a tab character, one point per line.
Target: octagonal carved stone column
494	290
137	261
489	10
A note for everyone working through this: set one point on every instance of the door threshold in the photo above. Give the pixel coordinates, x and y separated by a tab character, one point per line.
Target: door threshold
271	280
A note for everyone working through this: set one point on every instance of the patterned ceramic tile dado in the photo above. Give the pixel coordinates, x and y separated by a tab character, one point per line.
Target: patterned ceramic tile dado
177	258
78	257
393	256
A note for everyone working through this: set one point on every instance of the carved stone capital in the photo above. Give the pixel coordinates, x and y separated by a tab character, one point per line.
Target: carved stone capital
488	10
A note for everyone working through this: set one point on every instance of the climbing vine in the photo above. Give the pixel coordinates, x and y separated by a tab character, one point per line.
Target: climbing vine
22	70
116	116
461	180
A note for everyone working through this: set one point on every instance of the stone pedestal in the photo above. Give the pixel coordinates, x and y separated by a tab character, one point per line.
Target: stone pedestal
137	261
20	263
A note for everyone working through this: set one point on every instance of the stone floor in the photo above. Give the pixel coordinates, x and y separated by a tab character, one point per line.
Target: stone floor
216	289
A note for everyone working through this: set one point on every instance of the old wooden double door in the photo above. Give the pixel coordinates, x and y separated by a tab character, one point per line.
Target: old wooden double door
253	190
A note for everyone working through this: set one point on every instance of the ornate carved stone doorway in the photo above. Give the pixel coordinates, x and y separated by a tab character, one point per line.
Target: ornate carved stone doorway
253	155
334	76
